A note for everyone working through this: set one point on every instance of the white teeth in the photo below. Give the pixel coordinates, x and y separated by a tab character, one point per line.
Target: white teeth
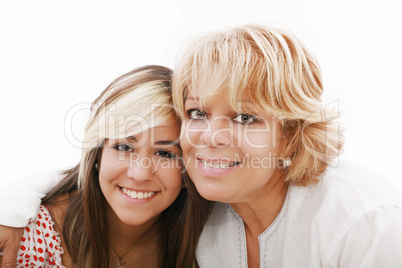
137	195
217	165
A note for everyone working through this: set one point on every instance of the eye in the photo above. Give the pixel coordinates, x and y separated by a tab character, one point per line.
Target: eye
123	148
195	114
245	118
166	154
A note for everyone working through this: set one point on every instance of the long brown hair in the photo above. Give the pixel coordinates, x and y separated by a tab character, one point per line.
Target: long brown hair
85	225
197	211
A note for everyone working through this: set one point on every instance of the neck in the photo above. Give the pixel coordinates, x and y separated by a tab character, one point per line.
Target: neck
133	245
122	236
260	212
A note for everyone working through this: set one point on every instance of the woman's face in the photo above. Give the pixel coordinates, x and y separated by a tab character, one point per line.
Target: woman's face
231	157
140	176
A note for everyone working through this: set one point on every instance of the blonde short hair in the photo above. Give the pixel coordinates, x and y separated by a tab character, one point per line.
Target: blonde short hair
272	69
131	104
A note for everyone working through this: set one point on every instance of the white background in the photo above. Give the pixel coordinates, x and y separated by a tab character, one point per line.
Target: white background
55	55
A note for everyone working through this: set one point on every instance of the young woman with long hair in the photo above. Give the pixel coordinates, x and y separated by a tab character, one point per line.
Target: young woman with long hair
124	204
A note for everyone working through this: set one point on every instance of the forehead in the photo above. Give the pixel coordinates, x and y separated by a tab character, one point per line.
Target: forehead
224	96
164	132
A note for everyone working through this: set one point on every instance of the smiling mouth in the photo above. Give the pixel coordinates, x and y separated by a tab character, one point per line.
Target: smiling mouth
219	165
137	195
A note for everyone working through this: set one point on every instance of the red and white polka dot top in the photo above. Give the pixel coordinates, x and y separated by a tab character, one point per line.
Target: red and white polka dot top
40	245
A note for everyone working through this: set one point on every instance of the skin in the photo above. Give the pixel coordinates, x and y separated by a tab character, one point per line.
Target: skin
9	240
152	167
219	134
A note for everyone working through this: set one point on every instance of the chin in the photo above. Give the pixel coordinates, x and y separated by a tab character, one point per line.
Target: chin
213	193
133	219
135	222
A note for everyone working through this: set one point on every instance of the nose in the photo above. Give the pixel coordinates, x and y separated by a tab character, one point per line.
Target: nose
141	169
218	133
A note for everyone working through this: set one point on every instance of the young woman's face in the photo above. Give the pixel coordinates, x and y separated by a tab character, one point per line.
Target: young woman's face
231	157
140	176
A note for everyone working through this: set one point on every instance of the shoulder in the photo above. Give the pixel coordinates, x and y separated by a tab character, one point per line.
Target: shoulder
346	190
374	240
58	207
358	188
372	211
40	243
352	207
349	191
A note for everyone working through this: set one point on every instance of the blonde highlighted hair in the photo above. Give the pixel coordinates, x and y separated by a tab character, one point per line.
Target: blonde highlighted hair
272	69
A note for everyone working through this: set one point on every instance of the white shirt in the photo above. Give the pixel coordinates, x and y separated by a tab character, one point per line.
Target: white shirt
351	218
20	199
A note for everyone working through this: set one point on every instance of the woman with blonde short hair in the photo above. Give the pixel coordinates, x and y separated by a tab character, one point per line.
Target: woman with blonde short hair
257	140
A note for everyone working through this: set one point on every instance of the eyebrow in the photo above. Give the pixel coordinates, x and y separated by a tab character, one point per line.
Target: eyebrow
161	142
168	142
132	138
191	97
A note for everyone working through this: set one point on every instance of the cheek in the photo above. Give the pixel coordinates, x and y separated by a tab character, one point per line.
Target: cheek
262	140
111	167
172	180
257	140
